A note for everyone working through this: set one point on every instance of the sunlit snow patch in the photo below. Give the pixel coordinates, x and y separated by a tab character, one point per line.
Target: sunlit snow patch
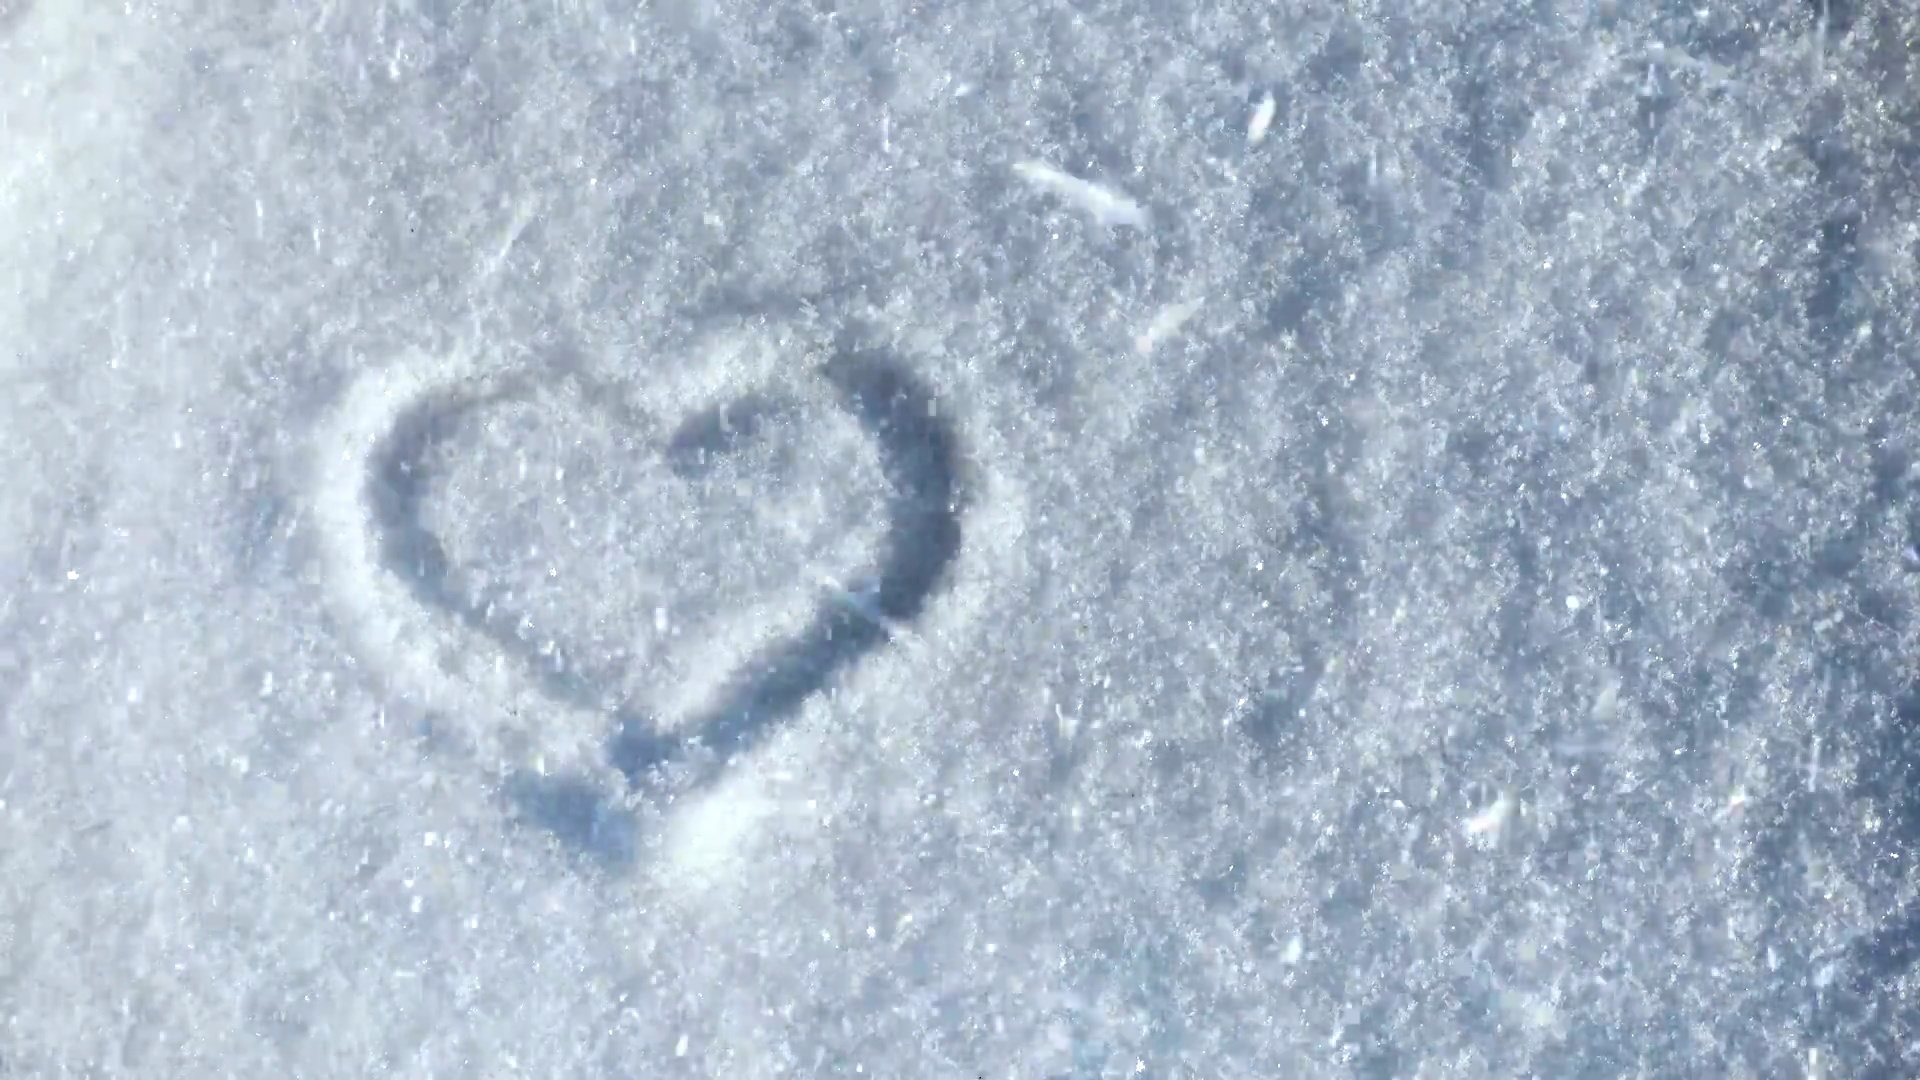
711	841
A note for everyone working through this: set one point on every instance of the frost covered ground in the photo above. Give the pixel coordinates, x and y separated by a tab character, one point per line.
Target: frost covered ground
1045	539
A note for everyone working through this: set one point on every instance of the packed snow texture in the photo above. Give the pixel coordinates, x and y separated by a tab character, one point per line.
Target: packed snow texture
1050	539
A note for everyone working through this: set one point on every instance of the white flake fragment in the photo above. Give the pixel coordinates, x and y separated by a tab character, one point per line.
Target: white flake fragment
680	1048
1165	323
1067	723
1607	702
1262	119
1488	822
1104	204
1295	949
266	686
864	601
517	225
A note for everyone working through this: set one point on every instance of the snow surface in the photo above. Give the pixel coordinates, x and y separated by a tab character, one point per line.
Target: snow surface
717	538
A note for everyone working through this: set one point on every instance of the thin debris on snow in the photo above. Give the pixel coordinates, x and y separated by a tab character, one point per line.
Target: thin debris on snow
1165	323
1105	205
863	601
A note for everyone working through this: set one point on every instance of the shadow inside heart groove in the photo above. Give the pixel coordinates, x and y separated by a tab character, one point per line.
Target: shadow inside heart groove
920	460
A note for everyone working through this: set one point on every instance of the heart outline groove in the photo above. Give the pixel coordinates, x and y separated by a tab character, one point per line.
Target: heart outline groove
373	489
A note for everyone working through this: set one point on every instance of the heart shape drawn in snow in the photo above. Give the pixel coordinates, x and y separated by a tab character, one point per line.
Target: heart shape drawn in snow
557	731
